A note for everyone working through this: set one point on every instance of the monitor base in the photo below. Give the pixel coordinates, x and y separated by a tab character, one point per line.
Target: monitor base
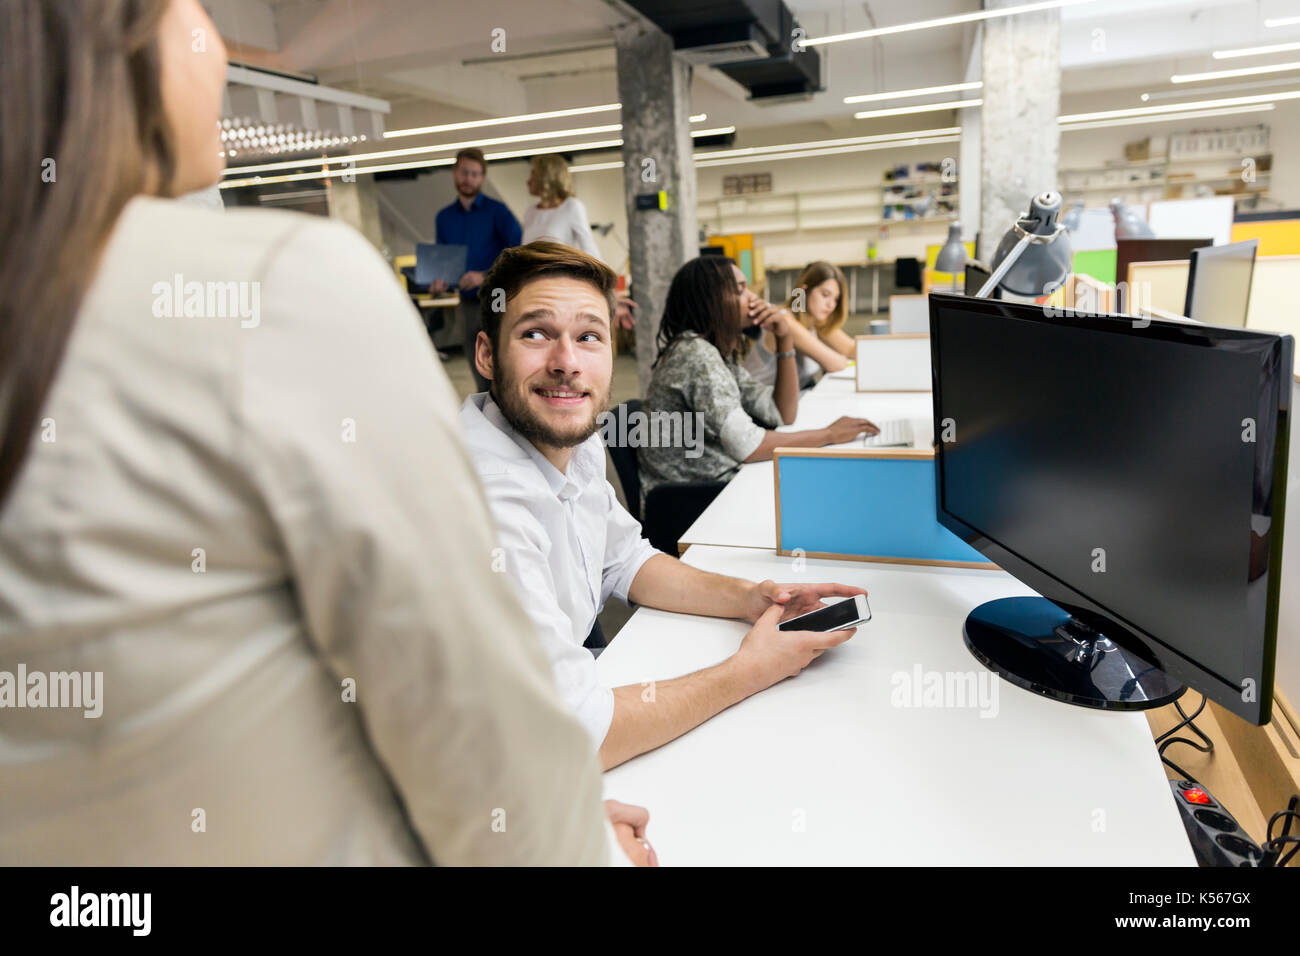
1034	644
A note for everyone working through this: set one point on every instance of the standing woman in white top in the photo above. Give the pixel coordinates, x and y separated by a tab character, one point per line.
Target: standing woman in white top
561	216
235	506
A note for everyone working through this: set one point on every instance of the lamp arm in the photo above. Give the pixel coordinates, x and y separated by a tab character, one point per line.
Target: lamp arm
987	289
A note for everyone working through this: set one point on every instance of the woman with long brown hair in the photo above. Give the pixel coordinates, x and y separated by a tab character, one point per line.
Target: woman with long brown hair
244	562
814	317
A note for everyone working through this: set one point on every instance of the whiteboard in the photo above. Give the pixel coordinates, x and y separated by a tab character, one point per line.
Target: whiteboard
1192	218
893	363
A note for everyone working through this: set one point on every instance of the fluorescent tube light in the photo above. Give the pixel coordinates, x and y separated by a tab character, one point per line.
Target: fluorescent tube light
920	91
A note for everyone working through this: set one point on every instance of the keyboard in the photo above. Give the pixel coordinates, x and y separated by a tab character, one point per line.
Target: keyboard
896	433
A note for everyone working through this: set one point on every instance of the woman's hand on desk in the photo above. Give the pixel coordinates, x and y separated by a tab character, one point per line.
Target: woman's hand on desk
794	599
846	429
768	655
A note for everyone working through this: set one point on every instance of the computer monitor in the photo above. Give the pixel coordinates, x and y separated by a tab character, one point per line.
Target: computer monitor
1133	473
1218	283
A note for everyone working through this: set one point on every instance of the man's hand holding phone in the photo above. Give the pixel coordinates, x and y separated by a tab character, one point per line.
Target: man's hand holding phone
768	655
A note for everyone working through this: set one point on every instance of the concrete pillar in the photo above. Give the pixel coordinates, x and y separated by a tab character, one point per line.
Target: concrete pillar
357	204
1019	139
655	89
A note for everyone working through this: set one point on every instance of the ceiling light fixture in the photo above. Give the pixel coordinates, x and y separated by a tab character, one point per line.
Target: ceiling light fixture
439	147
830	151
920	91
519	118
1255	50
818	144
1177	107
416	150
1167	118
1225	74
929	108
502	120
941	22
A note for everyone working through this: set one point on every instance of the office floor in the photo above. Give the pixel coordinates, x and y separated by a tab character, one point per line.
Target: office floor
624	386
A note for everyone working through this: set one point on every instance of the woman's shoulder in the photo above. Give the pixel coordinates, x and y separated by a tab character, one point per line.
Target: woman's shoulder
294	266
240	240
691	357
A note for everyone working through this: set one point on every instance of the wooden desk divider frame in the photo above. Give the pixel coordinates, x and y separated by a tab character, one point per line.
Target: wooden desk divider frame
890	454
875	339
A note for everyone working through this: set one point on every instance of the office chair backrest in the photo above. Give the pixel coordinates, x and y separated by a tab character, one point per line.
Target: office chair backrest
624	458
671	509
907	273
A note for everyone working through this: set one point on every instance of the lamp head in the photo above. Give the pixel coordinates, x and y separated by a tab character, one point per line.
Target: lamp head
1047	259
1074	218
952	257
1128	225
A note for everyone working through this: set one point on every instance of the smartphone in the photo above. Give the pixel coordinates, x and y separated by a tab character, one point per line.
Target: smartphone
834	617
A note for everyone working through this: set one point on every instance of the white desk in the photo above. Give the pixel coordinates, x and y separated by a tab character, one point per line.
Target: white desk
824	769
744	513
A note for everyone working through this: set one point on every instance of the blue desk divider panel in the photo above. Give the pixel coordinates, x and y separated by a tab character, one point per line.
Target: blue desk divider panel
868	504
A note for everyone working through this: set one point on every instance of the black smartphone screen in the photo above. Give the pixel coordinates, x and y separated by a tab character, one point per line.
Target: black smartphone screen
831	618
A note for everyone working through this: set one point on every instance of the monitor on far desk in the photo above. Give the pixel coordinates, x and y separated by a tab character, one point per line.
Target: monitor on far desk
1218	283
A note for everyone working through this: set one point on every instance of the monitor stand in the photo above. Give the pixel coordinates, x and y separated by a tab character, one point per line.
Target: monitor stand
1036	645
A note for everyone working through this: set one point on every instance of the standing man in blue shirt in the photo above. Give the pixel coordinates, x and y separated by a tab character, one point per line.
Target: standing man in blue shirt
486	226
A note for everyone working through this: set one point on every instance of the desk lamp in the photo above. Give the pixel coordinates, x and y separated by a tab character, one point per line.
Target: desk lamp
1128	225
952	257
1034	255
1074	218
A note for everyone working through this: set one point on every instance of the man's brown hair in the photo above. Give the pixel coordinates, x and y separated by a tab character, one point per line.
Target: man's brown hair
475	154
520	265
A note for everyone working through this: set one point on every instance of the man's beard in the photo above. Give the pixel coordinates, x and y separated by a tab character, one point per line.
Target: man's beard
516	410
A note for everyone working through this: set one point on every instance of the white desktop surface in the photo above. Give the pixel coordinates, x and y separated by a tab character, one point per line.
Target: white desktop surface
744	513
825	769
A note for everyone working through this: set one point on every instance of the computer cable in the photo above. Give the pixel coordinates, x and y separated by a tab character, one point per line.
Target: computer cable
1167	739
1274	845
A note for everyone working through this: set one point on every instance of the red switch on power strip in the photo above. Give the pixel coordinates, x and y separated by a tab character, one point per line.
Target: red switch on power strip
1196	795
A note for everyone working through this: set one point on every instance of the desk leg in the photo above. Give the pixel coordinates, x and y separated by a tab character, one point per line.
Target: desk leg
875	291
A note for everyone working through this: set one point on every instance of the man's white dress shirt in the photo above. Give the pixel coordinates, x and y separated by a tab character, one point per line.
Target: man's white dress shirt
566	544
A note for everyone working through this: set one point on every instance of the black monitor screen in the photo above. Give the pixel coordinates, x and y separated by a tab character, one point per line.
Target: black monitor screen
1109	467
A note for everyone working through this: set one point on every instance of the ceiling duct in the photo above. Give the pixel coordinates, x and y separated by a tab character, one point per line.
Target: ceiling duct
751	41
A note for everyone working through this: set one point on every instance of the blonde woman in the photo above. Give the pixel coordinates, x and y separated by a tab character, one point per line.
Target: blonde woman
561	216
814	318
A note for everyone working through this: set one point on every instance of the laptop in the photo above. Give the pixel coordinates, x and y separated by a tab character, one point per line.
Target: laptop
435	261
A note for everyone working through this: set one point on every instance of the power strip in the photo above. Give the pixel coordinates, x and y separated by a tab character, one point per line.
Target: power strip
1216	837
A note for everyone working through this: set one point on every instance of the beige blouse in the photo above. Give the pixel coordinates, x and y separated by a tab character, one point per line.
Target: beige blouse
249	509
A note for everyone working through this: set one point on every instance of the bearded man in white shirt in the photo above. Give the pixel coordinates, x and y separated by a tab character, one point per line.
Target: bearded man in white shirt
568	544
